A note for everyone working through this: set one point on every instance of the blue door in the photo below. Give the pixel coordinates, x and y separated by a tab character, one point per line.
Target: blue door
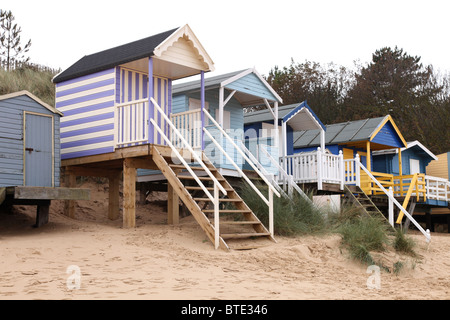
38	150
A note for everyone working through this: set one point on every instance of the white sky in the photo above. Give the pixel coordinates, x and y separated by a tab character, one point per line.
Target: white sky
240	34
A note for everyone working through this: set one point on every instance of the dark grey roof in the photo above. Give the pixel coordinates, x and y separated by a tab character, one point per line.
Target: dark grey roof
112	57
266	115
210	83
350	131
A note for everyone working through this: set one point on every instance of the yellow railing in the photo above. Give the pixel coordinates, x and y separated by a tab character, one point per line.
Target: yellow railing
416	187
370	187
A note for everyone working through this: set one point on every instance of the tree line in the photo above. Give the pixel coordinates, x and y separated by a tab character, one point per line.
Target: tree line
393	82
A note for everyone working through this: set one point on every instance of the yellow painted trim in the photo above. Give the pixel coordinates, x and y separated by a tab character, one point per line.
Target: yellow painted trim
386	119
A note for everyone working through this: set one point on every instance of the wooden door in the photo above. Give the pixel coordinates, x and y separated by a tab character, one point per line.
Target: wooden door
38	150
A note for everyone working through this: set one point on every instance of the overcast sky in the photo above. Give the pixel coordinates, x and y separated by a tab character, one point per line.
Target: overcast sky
240	34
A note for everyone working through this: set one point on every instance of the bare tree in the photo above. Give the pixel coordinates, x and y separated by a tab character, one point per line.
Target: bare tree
11	48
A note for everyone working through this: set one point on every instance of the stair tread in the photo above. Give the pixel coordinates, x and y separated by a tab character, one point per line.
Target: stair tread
244	222
220	199
186	177
244	235
227	211
207	188
180	166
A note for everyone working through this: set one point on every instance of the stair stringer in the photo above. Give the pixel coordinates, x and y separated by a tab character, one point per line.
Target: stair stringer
187	199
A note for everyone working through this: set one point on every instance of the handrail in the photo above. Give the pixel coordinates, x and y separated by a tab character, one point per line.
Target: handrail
263	170
391	197
289	178
217	186
195	155
272	190
241	152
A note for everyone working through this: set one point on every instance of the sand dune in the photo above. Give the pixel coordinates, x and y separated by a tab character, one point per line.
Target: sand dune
157	261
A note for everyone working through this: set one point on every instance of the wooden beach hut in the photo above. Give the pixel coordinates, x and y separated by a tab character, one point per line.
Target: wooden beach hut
29	141
118	119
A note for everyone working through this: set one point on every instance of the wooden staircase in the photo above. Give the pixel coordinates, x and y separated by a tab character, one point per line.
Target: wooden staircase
237	221
362	200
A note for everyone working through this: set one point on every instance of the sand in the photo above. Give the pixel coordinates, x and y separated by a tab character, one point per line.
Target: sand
157	261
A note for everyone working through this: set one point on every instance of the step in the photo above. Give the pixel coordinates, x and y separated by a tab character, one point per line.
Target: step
180	166
185	177
207	188
227	236
221	200
239	222
227	211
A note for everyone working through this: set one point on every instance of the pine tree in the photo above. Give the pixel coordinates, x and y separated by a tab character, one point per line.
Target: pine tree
11	48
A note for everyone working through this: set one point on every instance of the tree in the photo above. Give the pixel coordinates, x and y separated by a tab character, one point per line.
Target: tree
324	87
398	84
10	41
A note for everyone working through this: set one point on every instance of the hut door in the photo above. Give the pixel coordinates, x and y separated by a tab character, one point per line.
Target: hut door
38	150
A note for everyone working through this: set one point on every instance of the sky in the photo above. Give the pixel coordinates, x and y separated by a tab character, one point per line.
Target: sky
241	34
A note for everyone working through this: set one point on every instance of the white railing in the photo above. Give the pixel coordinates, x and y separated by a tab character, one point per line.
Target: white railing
437	188
189	124
131	122
272	189
315	166
392	199
286	179
217	186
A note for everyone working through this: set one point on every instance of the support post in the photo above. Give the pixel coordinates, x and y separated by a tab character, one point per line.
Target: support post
202	100
368	161
319	169
221	106
70	181
275	126
357	171
173	208
113	201
151	107
391	207
129	194
271	230
216	217
42	213
341	169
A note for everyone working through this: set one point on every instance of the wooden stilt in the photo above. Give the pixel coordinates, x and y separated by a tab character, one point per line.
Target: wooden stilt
113	203
129	194
42	214
173	208
70	181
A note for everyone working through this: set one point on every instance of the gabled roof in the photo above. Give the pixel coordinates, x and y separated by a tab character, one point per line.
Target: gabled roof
227	81
154	45
303	117
419	149
33	97
265	115
346	132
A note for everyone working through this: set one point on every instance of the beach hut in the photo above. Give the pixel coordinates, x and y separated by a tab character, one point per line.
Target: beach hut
440	166
415	158
29	141
226	96
118	118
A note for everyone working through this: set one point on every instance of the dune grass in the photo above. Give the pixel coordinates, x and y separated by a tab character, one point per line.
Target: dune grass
35	80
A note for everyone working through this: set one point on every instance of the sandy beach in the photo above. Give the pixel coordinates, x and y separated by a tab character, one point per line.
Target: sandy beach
158	261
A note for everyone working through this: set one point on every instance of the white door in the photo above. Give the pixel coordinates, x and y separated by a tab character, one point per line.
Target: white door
414	166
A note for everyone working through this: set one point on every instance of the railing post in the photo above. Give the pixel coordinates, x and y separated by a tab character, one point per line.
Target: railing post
341	169
391	207
319	169
271	212
216	216
357	171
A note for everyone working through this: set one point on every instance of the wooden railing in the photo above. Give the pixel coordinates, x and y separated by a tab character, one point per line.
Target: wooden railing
189	124
315	166
437	188
271	189
131	122
217	185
